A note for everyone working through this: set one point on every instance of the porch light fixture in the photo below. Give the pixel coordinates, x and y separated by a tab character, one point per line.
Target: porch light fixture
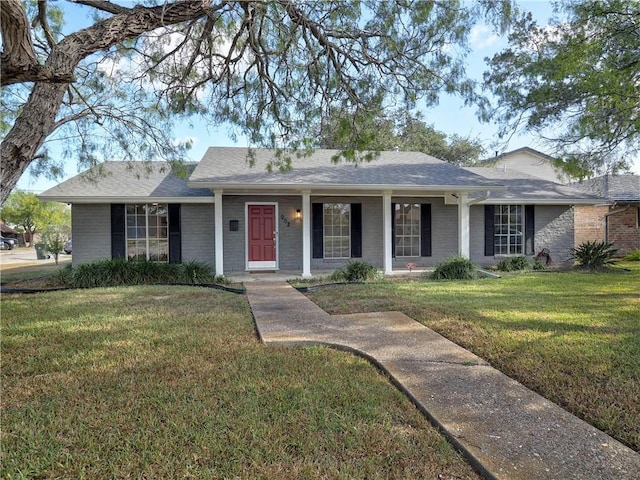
298	214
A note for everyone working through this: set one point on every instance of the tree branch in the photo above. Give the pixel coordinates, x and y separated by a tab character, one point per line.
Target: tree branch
104	5
44	23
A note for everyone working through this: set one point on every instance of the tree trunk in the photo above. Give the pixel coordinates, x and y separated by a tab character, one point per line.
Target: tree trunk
37	119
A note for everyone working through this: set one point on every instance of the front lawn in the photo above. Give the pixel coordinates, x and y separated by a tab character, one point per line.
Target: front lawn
171	382
574	337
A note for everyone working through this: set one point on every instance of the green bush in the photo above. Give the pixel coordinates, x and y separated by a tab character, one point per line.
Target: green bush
633	256
515	264
594	255
356	271
537	265
195	273
118	272
455	268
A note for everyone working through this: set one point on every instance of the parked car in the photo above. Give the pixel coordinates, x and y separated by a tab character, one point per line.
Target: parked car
8	243
67	247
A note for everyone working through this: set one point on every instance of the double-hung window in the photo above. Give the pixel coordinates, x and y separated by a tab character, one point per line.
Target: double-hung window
407	229
147	232
337	230
508	230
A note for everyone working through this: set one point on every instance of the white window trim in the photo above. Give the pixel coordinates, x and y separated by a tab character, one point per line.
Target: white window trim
522	232
324	237
409	236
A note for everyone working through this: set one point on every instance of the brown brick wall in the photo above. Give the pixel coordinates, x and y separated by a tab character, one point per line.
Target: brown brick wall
590	224
623	229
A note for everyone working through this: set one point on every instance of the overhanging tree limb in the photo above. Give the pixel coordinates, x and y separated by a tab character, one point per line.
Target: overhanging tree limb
37	119
271	69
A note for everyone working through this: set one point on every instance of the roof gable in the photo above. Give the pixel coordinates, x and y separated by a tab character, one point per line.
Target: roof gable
529	161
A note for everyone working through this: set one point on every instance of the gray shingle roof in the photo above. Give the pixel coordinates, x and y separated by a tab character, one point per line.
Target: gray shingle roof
529	189
615	188
229	166
127	181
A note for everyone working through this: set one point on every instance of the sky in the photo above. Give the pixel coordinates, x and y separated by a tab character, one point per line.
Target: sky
450	116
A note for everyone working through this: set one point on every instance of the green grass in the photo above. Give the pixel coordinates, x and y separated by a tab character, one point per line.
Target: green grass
574	337
171	382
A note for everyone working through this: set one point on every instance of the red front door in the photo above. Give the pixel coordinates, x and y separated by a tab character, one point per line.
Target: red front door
262	236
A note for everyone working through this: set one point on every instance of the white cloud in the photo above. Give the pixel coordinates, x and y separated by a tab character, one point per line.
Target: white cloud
482	37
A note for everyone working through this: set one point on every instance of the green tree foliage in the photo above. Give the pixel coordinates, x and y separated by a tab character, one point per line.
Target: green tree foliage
270	69
575	82
404	131
54	238
26	210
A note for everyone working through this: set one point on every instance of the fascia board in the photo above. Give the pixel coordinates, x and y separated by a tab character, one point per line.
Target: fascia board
97	200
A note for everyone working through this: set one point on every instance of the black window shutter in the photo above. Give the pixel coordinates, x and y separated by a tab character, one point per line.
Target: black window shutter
489	230
118	225
393	230
529	229
356	230
317	227
425	227
175	241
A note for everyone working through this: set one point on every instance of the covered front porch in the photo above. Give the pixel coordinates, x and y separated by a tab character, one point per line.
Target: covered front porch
296	238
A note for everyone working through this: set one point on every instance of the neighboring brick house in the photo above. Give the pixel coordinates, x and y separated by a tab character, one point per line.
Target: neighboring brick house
618	221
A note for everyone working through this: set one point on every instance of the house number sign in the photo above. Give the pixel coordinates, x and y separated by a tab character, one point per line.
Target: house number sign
285	220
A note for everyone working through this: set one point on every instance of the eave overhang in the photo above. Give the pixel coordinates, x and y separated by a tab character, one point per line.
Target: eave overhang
339	189
101	200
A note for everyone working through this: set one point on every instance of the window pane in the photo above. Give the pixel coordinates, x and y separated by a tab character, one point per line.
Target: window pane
508	230
407	233
337	230
142	241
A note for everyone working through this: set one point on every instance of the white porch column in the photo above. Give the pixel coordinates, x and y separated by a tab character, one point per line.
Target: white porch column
306	234
386	228
463	225
218	237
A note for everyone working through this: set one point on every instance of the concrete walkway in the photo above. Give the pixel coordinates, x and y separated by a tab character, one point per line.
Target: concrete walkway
506	430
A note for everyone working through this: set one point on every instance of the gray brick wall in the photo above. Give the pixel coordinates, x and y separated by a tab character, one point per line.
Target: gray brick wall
444	232
372	248
554	229
91	232
198	233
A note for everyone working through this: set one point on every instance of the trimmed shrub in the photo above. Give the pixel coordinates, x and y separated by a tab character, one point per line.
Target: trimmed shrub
594	255
455	268
119	272
356	271
195	273
515	264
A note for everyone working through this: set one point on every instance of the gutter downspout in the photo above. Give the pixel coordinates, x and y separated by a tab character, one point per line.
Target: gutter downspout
482	198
